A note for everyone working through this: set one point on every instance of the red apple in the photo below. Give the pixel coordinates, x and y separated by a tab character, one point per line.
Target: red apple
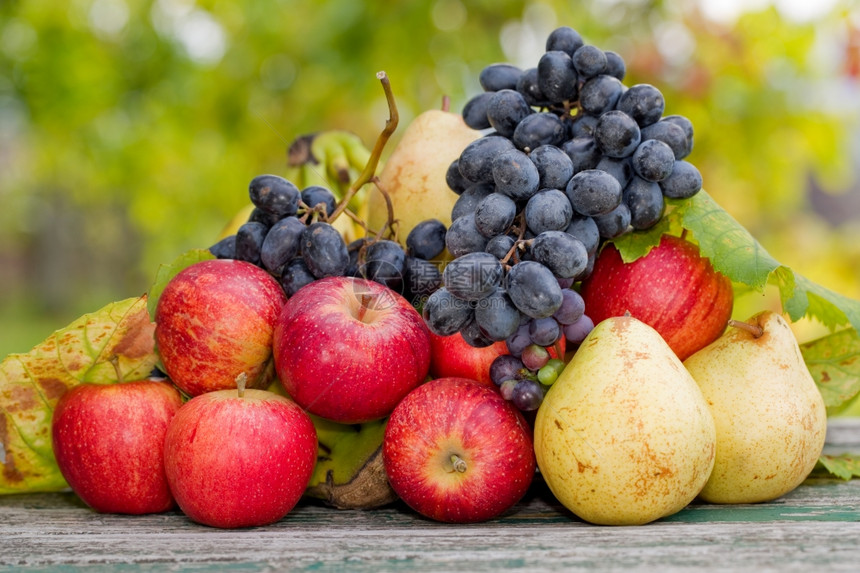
108	440
349	349
454	450
673	289
214	321
452	356
238	459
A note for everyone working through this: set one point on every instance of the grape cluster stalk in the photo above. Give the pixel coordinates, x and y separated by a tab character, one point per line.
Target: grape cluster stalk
570	158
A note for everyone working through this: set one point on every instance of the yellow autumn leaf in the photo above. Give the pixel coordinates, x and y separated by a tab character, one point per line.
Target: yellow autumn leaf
31	384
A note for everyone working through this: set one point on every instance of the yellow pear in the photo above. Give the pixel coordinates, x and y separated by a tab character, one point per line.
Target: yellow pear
624	435
414	175
768	412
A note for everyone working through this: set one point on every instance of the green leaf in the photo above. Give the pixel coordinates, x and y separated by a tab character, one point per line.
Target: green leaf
844	466
168	271
631	246
30	385
834	362
812	299
731	248
734	252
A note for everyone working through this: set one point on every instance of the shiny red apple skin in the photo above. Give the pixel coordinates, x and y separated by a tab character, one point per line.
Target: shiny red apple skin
457	416
453	357
345	364
673	289
108	440
214	321
236	461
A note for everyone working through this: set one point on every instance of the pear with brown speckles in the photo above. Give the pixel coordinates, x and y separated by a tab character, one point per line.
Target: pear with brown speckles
624	435
769	414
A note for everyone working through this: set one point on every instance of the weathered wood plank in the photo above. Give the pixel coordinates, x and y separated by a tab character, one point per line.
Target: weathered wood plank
815	527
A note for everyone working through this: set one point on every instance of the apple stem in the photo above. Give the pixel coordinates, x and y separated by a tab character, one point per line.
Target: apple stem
458	463
370	169
114	360
753	329
241	380
365	301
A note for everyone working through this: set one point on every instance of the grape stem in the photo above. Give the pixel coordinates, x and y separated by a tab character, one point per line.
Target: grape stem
520	226
357	219
370	168
389	206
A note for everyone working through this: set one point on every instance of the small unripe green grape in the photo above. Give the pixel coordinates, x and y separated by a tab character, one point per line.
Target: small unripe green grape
549	373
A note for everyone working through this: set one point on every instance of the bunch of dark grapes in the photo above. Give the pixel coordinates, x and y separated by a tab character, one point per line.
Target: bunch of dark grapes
571	157
289	236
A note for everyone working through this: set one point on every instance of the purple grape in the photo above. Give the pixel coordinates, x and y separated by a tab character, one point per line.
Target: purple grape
473	336
295	275
600	94
533	289
643	102
615	223
538	129
427	239
226	247
249	242
527	395
653	160
576	332
589	61
527	85
274	194
519	340
684	182
315	194
571	309
475	111
446	314
617	134
506	367
565	39
496	316
455	180
615	65
515	175
535	357
507	108
669	133
500	245
554	166
544	331
507	388
557	77
497	77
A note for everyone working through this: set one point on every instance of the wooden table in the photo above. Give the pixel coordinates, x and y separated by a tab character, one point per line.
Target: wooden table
814	528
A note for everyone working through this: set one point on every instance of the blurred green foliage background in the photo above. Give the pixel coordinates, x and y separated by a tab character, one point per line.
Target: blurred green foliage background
129	129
